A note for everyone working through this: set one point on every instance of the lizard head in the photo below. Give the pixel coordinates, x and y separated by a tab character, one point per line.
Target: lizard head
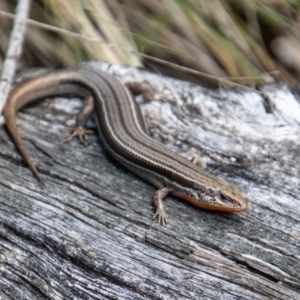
222	197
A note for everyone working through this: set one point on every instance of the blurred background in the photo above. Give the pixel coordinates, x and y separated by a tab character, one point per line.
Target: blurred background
248	42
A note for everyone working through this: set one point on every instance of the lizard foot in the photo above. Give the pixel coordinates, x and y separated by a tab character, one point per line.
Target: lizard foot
162	216
79	132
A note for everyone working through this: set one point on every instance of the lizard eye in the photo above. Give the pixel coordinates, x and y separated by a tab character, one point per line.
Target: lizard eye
219	197
200	195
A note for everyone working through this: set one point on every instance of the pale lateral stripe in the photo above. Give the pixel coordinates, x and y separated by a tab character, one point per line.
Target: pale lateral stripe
97	91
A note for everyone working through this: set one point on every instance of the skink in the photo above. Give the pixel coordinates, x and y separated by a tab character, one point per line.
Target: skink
123	130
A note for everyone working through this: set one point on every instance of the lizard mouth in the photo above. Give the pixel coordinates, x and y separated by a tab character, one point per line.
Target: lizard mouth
222	203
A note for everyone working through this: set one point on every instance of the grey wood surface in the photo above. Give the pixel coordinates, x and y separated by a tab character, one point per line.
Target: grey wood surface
88	233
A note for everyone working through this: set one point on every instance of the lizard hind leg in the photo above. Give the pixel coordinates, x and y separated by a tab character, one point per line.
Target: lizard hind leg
81	120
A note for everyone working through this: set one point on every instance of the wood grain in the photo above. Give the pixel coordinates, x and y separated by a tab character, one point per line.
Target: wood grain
89	234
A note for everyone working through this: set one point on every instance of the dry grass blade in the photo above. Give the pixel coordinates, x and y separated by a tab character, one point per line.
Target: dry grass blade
217	37
13	51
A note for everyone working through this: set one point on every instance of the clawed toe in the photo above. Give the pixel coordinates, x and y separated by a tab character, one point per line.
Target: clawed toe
79	132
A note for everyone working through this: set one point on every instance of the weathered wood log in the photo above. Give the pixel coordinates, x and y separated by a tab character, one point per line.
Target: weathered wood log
88	233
